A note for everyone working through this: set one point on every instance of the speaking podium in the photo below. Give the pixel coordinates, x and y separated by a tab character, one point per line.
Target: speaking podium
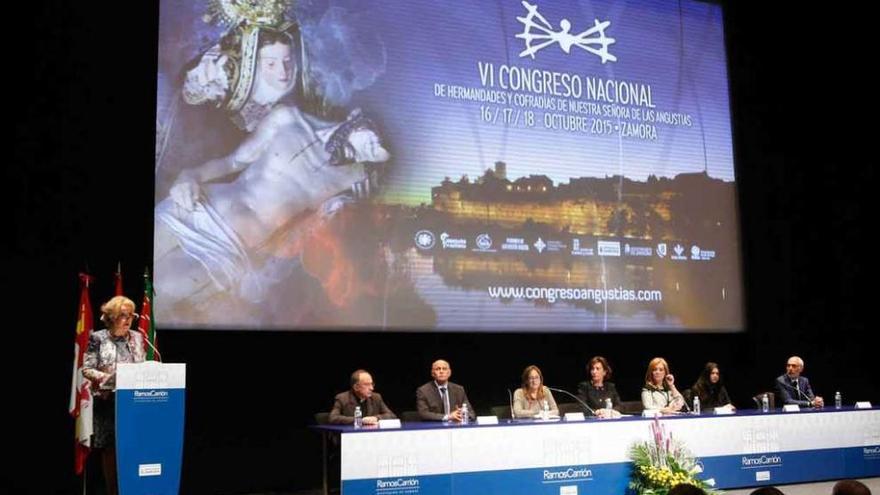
150	400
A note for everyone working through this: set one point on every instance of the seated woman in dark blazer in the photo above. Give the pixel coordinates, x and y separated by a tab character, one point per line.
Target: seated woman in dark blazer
710	389
598	388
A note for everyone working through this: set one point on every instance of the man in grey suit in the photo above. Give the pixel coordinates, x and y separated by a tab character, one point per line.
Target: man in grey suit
793	388
440	399
361	395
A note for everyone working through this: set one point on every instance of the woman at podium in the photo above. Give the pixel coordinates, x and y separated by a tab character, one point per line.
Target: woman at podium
117	343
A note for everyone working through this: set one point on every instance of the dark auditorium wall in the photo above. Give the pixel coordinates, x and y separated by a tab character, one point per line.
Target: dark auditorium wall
80	185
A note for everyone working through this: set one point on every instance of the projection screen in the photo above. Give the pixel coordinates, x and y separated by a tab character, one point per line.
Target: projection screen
416	165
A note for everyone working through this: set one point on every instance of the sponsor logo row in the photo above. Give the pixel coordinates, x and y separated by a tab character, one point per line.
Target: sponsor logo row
427	240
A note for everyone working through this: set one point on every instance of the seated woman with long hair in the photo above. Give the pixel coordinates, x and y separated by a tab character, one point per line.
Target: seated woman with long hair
710	388
528	401
659	392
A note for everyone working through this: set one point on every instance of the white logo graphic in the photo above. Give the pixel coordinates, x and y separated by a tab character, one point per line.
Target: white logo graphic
764	460
547	37
637	250
151	394
578	250
515	244
568	490
484	242
452	242
424	239
678	252
661	250
762	475
608	248
698	253
539	245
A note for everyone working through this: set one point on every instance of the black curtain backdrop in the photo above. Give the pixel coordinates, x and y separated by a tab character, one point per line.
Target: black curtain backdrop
81	190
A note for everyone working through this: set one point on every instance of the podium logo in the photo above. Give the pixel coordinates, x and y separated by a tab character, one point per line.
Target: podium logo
150	470
569	474
150	393
872	451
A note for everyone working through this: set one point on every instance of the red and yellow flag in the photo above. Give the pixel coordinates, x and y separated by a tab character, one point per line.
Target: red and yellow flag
80	392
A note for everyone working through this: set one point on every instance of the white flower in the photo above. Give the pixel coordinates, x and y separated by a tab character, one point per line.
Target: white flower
710	482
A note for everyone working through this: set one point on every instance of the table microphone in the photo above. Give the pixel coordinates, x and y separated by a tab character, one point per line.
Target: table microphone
797	388
510	397
582	403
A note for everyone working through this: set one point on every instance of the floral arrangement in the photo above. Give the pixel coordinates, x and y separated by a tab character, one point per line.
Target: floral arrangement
662	463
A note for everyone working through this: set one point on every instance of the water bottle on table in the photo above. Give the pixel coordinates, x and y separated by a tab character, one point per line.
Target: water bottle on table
465	418
358	417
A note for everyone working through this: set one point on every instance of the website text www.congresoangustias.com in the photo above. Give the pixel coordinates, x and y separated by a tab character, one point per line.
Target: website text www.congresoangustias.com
553	294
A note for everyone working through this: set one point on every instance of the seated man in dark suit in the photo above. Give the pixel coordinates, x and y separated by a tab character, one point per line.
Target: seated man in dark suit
793	388
440	399
361	395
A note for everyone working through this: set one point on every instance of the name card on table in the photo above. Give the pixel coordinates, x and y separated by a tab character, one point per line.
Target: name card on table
863	405
389	423
487	420
791	408
575	416
724	410
651	413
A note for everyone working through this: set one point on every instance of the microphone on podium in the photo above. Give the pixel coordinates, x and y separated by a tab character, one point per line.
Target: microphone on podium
147	341
579	401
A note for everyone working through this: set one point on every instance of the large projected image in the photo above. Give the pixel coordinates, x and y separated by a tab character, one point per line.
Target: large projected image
416	165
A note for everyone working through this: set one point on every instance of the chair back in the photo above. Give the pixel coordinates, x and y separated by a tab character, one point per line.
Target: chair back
634	407
501	412
410	417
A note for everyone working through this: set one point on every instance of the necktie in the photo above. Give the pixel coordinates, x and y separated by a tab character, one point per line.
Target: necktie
445	400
